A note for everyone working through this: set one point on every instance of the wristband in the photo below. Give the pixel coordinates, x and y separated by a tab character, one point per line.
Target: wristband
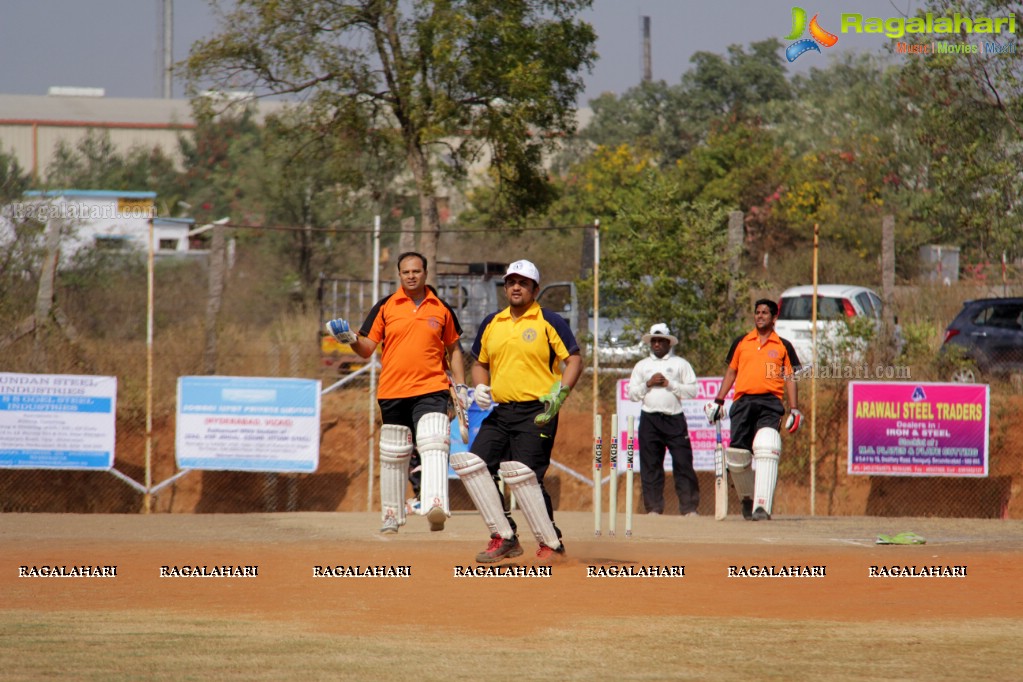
719	401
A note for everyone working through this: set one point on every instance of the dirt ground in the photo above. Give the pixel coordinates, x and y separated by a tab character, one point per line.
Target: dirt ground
570	607
285	623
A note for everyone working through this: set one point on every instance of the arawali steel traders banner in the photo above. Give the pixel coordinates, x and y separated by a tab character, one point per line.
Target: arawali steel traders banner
907	429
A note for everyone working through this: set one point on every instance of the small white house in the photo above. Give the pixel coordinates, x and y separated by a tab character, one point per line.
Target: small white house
105	219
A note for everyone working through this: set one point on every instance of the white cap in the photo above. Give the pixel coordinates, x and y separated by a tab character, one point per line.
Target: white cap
524	268
660	331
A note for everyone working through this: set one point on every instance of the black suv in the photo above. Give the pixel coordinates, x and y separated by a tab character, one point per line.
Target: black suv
990	333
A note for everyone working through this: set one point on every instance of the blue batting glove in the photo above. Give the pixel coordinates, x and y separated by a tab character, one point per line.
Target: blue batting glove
340	330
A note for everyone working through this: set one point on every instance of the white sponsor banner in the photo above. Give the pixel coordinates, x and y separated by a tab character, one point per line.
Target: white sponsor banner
248	424
701	432
57	421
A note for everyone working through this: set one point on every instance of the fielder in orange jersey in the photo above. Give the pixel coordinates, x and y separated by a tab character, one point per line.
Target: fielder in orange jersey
527	361
761	366
420	336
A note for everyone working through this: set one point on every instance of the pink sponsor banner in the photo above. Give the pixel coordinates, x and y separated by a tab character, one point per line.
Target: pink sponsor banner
701	432
907	429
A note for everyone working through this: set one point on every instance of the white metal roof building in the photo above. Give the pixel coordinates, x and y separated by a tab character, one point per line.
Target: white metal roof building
107	220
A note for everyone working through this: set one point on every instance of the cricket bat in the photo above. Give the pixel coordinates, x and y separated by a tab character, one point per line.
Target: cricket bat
463	416
720	477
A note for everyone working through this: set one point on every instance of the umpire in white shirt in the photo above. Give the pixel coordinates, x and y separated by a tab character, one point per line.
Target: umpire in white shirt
661	381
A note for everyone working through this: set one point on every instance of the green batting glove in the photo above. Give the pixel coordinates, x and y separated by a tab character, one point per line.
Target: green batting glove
552	403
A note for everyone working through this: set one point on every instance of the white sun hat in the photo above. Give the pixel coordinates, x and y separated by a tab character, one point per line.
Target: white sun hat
660	331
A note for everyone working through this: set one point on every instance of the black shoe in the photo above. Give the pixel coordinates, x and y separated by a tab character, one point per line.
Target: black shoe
747	508
761	515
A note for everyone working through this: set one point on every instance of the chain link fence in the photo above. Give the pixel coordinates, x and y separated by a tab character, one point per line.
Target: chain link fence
99	327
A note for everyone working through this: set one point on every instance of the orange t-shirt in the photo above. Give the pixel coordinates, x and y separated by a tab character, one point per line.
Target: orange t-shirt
415	341
761	368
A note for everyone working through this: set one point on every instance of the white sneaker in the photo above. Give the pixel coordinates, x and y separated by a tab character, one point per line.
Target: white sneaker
390	525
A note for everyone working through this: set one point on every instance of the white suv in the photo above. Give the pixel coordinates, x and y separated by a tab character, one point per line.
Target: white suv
837	306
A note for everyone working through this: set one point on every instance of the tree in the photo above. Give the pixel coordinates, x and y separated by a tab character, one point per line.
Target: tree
20	245
214	155
650	116
853	158
592	188
95	163
662	260
968	120
453	78
735	86
13	178
674	120
740	166
301	179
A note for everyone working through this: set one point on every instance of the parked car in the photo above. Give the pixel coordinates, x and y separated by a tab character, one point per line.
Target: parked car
838	306
989	335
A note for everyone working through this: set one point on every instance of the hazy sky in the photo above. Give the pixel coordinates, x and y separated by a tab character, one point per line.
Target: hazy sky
113	44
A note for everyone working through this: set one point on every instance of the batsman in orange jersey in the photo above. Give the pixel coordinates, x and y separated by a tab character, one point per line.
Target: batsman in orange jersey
420	336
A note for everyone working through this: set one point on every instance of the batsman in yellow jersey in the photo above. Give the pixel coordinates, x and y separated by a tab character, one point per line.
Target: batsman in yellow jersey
527	362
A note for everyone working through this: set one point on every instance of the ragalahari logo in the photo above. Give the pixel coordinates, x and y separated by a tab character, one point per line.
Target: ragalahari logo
817	35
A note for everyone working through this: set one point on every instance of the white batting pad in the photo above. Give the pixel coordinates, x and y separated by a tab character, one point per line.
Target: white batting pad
740	469
433	437
481	488
528	494
766	452
395	451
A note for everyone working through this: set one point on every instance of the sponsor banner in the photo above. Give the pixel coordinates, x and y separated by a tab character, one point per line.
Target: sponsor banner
57	421
910	429
248	424
701	432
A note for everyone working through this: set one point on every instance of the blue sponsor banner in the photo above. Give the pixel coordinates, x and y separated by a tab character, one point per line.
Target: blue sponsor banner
56	459
57	421
49	403
248	424
246	396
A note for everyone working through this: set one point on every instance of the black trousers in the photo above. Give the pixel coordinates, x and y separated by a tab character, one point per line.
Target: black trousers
658	432
509	434
752	412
